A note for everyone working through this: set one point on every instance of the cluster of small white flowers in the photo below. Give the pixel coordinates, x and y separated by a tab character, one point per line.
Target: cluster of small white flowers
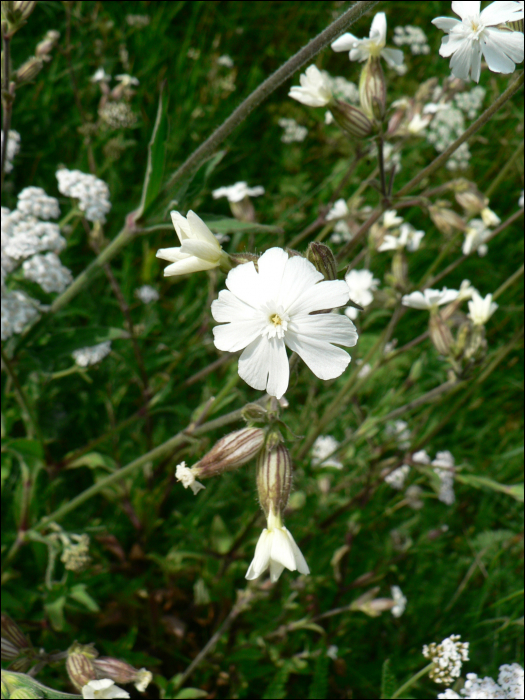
24	237
92	193
75	552
400	601
447	126
146	294
47	271
509	685
324	446
413	37
225	61
17	311
444	468
447	657
342	233
91	355
33	201
361	284
471	102
343	89
293	132
13	146
397	478
400	431
118	115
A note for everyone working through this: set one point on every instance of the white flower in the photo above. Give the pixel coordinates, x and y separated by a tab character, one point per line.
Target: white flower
13	146
47	271
391	219
315	88
276	549
127	80
408	238
18	310
401	432
225	61
466	290
477	34
328	118
342	232
100	76
414	37
199	250
417	124
475	236
365	369
509	685
187	477
103	689
520	200
293	132
92	193
361	49
147	294
421	457
338	210
430	298
361	284
399	600
481	309
331	652
265	311
237	192
91	355
489	217
448	657
396	479
444	468
323	447
33	201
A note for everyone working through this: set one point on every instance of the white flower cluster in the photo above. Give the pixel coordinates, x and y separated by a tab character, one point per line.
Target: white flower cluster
118	115
91	355
396	479
447	125
47	271
444	468
471	102
293	132
225	61
33	201
147	294
17	311
342	233
413	37
361	284
138	20
92	193
23	237
343	89
509	685
323	447
13	146
448	658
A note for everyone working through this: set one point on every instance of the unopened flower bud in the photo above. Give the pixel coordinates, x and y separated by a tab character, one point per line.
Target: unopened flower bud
274	478
230	452
28	70
13	639
469	197
122	672
79	664
440	334
372	89
15	14
351	119
24	7
253	413
243	210
400	269
322	259
19	685
44	47
446	220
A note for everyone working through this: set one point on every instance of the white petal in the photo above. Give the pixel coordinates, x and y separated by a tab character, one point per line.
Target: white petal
324	360
201	249
416	300
200	231
324	295
466	8
379	27
271	266
345	42
261	558
282	551
300	276
243	281
276	570
186	266
231	337
462	60
511	43
300	561
501	12
475	68
278	369
394	57
331	328
171	254
229	308
254	363
495	49
446	23
182	226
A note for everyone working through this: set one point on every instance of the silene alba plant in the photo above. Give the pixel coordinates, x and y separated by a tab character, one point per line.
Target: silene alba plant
286	313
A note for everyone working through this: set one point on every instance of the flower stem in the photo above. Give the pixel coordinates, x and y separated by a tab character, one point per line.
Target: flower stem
412	680
7	96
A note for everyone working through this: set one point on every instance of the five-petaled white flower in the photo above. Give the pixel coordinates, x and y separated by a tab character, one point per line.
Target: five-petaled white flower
408	238
430	298
266	310
278	550
361	49
237	192
199	250
476	34
103	688
315	90
481	309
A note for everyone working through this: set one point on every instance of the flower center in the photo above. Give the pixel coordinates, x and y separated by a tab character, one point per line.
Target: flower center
277	323
475	26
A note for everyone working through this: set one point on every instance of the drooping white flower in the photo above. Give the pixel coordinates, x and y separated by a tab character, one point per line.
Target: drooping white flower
408	238
199	249
475	236
187	477
322	448
237	192
266	310
477	34
481	309
430	298
362	49
466	290
315	90
361	284
103	688
448	658
399	600
277	550
338	210
489	217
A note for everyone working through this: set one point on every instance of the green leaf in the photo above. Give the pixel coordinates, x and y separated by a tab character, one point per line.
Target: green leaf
94	460
388	682
319	686
478	482
80	595
225	225
29	450
55	612
191	693
156	159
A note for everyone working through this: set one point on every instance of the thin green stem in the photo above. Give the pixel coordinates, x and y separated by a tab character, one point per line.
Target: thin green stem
27	414
424	671
509	282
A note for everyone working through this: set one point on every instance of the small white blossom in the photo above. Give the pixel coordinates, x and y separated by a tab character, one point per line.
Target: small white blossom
127	80
138	20
92	193
147	294
18	310
471	102
477	34
13	146
361	284
33	201
144	677
323	447
293	132
277	550
362	49
489	217
342	232
331	652
100	76
447	125
417	124
481	309
338	210
447	657
407	238
364	370
521	200
91	355
199	249
47	271
237	192
399	600
264	311
391	219
103	688
466	290
396	479
475	236
444	468
315	88
225	61
187	477
430	298
421	457
328	118
413	37
413	497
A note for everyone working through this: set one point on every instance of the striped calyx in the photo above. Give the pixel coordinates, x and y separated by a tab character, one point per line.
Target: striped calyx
230	452
274	479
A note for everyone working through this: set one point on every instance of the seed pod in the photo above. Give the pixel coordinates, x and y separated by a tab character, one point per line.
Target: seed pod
230	452
372	89
446	220
121	672
322	259
274	478
440	334
351	119
79	664
13	639
28	70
